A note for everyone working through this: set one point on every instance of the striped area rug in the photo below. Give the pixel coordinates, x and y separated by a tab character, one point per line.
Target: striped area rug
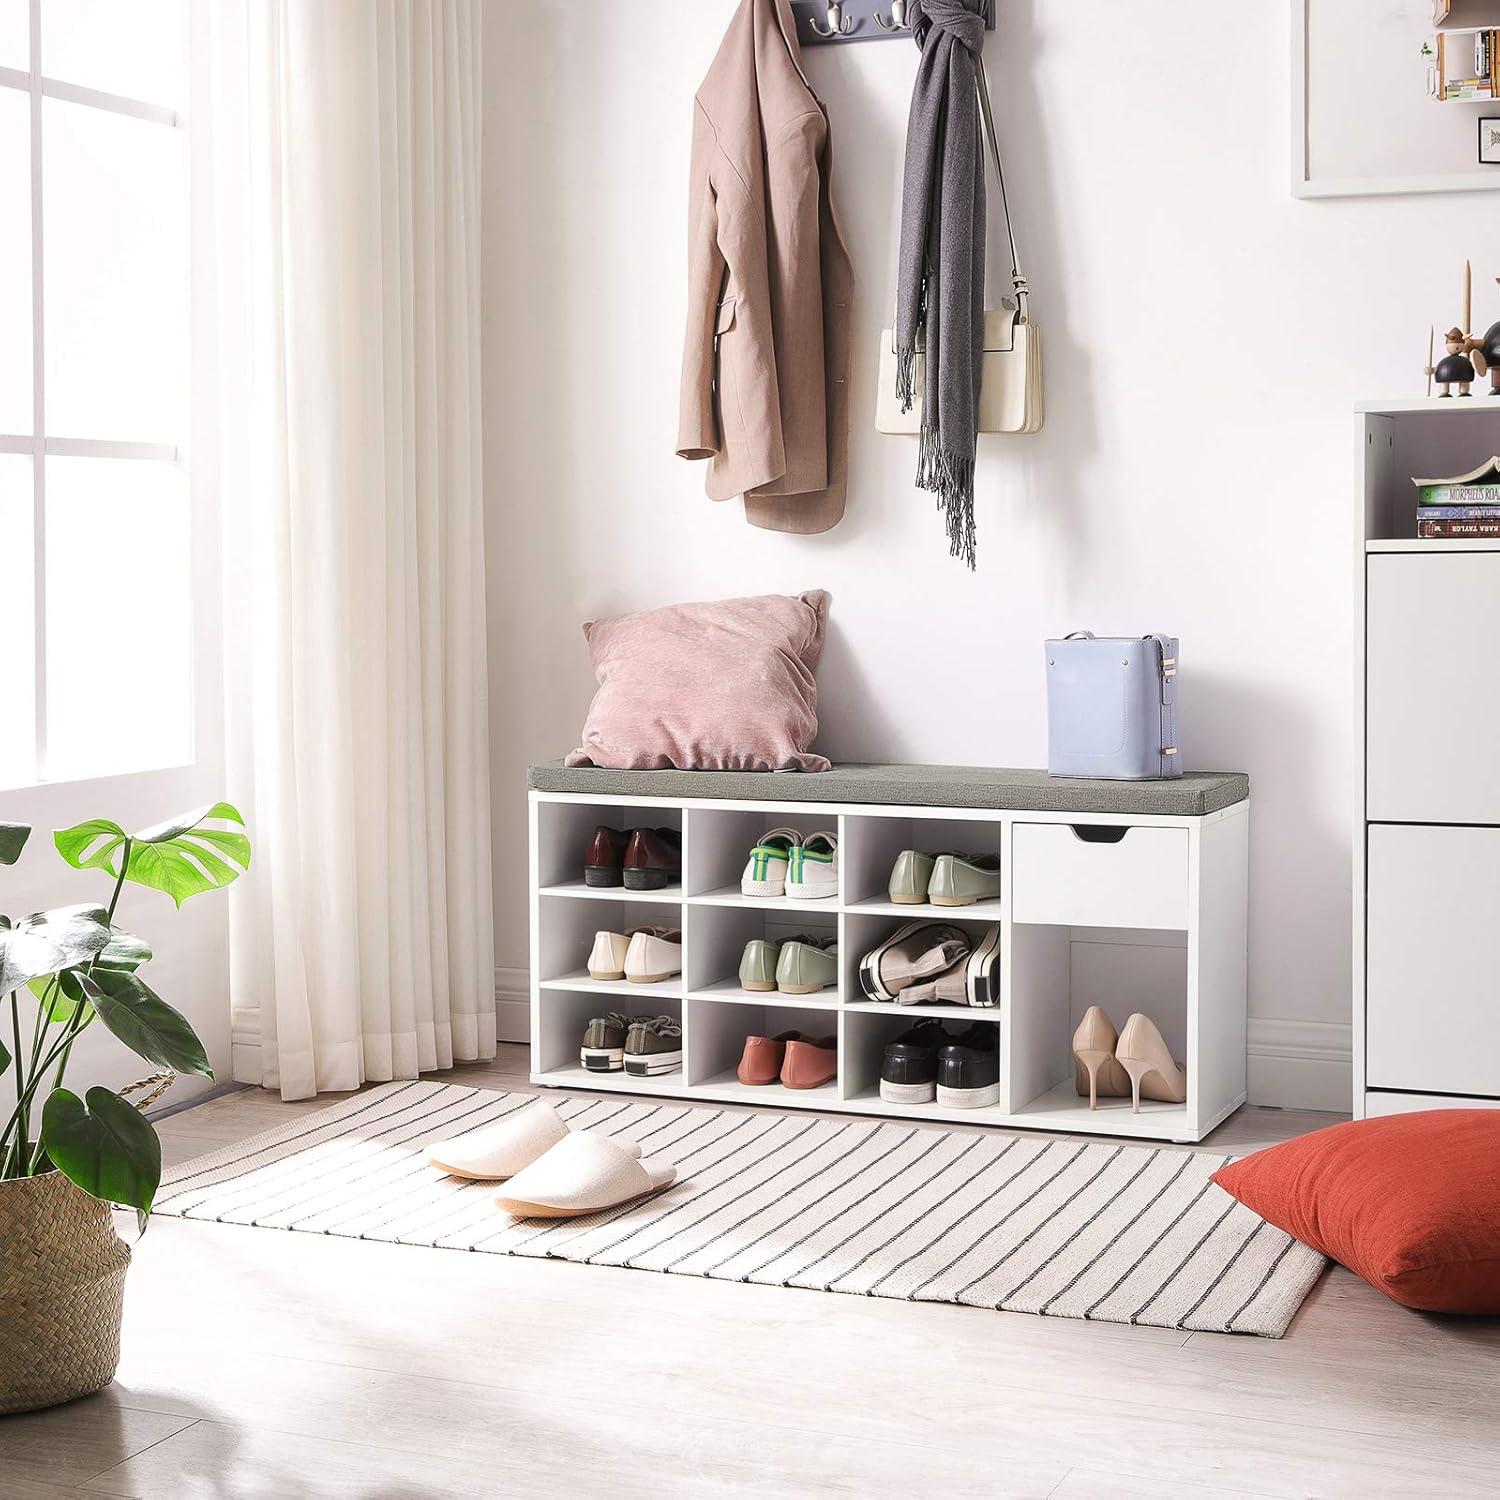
1123	1234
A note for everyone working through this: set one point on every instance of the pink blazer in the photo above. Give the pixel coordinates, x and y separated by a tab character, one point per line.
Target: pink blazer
765	371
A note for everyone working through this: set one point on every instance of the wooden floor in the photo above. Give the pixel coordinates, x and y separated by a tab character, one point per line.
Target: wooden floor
274	1364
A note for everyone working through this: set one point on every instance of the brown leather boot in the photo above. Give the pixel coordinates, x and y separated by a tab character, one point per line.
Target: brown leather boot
810	1062
760	1063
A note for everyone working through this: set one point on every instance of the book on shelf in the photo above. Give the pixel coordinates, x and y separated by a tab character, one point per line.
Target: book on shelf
1458	512
1426	528
1479	486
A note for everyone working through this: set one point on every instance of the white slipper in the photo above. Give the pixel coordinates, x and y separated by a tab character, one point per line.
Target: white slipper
498	1151
581	1175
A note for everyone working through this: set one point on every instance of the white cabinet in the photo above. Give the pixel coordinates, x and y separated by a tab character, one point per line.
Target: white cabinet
1426	930
1433	994
1092	875
1433	676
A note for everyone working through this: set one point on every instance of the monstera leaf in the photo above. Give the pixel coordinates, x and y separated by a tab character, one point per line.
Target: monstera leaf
13	838
182	857
49	941
144	1021
62	994
105	1146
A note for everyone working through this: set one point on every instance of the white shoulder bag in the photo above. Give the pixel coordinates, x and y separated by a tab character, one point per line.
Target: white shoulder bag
1010	390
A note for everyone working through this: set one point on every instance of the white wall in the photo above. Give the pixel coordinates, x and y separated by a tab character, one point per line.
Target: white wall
1206	337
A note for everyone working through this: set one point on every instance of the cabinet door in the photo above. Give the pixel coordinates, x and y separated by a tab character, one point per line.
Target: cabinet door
1433	683
1433	986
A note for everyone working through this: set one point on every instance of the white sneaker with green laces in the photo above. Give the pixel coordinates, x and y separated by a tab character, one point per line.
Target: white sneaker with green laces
813	871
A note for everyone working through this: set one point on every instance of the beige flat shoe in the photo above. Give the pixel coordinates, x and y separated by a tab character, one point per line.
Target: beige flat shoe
582	1174
1145	1056
498	1151
1096	1070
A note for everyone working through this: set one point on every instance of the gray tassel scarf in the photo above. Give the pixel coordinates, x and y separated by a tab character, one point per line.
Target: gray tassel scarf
940	283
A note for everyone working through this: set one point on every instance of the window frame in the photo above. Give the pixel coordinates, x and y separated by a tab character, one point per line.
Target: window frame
37	445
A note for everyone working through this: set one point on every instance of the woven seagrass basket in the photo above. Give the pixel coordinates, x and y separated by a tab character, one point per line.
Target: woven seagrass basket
62	1291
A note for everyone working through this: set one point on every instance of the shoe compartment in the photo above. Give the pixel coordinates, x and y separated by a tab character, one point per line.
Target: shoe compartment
566	1013
563	833
871	845
1056	973
716	1034
566	934
866	1034
864	931
716	943
721	841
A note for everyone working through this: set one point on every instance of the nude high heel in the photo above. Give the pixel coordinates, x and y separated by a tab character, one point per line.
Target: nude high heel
1143	1053
1097	1072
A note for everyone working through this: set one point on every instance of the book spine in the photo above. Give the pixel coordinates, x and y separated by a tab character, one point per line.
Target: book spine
1458	528
1459	494
1459	513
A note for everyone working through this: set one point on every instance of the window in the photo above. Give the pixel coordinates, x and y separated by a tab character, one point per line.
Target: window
94	536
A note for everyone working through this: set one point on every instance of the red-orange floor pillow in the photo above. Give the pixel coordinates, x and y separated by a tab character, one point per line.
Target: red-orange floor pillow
1409	1202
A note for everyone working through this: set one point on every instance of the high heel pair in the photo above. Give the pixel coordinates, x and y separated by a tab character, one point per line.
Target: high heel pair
1134	1063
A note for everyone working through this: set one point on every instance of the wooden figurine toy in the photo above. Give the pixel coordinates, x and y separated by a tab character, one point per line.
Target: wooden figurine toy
1456	367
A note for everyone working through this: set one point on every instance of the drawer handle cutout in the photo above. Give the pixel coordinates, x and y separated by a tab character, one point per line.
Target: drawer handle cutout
1098	833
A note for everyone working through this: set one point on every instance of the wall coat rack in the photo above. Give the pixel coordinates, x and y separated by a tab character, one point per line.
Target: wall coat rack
823	22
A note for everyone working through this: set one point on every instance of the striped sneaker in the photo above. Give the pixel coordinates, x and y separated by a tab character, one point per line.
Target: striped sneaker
765	870
813	872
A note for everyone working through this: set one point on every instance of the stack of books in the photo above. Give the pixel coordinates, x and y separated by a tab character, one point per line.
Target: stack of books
1463	505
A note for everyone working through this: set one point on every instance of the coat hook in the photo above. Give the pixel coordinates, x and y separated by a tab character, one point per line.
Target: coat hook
838	23
897	21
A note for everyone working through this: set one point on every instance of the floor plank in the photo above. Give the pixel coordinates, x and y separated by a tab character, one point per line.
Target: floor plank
341	1367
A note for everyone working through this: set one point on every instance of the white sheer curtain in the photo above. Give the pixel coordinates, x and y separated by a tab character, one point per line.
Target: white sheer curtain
345	150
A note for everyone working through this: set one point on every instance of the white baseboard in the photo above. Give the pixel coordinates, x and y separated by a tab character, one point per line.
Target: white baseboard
513	1005
1301	1064
1292	1064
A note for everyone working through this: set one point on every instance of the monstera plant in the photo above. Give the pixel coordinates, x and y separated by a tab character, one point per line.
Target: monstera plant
65	1159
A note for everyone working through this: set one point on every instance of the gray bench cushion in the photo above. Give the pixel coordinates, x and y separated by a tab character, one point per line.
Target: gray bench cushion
1192	795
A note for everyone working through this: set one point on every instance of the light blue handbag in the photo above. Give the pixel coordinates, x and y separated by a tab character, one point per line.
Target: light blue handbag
1112	707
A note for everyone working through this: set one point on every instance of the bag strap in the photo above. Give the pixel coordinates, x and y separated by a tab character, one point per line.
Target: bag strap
1018	279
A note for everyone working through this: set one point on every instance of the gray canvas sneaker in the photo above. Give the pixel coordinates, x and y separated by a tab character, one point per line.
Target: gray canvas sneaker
603	1049
917	951
654	1045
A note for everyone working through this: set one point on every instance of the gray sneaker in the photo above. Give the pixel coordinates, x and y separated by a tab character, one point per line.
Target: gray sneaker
653	1045
917	951
973	980
603	1049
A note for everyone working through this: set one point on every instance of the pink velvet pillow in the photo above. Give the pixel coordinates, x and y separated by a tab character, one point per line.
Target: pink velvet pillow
726	686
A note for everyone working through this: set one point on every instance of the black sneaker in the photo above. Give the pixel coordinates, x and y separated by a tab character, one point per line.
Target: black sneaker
653	1045
910	1070
603	1049
969	1068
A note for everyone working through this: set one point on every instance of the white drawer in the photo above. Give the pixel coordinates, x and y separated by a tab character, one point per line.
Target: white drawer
1378	1105
1064	875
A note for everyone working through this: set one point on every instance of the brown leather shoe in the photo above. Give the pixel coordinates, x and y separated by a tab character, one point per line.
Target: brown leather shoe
810	1062
603	862
760	1063
653	859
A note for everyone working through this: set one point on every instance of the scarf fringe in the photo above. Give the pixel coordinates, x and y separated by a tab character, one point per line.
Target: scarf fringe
906	374
950	476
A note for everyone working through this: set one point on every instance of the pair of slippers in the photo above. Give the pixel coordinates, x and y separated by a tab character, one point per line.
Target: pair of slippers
549	1171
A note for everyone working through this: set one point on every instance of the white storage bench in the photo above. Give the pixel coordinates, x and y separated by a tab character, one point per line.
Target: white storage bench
1129	895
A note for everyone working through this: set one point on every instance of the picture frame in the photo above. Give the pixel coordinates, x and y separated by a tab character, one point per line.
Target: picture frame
1489	140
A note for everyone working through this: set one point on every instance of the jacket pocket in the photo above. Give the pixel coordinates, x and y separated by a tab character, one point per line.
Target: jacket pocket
727	374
